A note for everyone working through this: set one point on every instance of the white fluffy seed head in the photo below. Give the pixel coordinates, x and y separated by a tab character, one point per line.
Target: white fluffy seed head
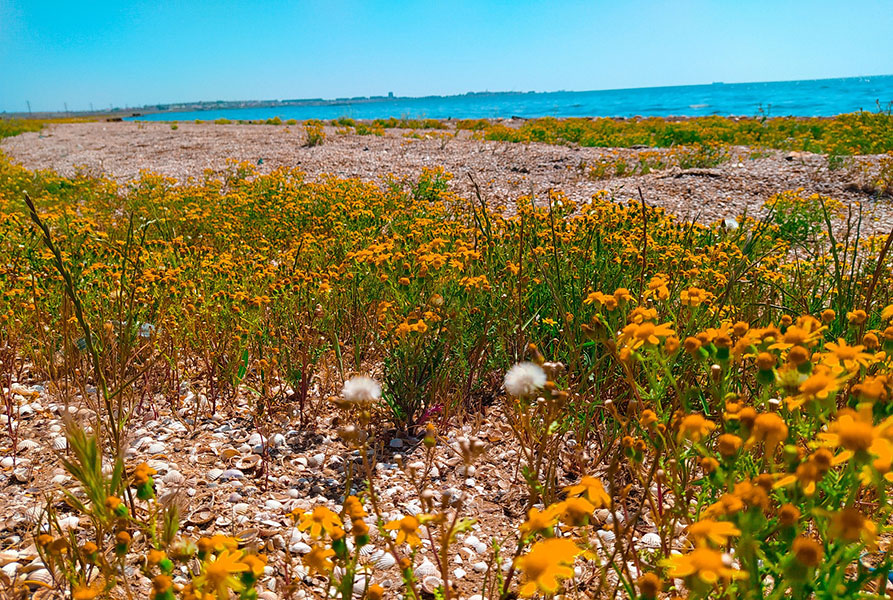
524	379
361	390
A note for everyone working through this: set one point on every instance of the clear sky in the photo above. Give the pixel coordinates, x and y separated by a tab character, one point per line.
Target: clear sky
131	53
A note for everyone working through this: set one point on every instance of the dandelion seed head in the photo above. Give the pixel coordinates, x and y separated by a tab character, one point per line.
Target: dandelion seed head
361	390
524	379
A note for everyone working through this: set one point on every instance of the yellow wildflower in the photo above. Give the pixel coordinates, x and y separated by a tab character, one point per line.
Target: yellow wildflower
319	520
546	564
705	564
218	576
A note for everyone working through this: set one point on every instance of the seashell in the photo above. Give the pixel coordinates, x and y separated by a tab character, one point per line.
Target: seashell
215	474
222	521
606	536
205	459
60	443
22	474
173	477
425	569
247	463
300	548
385	561
39	577
156	448
67	523
650	540
231	474
26	445
228	453
360	583
247	536
201	516
480	567
414	509
10	569
369	550
431	583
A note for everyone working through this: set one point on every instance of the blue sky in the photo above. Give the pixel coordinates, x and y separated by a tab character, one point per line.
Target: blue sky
133	53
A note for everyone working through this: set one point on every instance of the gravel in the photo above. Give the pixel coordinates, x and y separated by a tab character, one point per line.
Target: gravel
503	171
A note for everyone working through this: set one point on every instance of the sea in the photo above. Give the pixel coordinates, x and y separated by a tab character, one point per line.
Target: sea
807	98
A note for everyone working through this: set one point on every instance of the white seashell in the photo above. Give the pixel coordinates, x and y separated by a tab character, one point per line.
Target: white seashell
67	523
479	567
385	561
214	474
300	548
39	575
60	443
607	536
173	477
156	448
459	573
10	569
650	540
431	583
26	445
425	569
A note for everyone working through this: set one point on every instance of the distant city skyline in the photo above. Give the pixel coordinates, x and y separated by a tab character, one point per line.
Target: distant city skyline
57	54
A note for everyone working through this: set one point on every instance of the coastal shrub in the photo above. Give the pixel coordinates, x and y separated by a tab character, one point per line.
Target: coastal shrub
315	133
847	134
693	410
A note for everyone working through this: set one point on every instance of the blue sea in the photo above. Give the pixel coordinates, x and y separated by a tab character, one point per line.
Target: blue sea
809	98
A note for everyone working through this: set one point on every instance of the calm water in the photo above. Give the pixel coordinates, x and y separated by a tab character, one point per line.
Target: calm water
823	97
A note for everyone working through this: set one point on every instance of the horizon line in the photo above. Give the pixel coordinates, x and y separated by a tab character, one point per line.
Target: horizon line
468	93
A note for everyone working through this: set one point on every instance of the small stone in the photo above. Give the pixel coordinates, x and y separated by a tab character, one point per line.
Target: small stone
273	505
396	443
479	567
459	573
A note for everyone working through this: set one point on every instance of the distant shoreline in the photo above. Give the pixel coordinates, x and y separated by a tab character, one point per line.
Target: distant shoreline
181	108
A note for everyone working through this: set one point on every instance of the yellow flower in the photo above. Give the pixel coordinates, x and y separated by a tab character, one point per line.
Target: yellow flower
855	432
407	530
546	564
708	530
809	472
820	385
218	575
769	428
255	564
85	592
704	563
539	520
317	560
851	357
576	510
637	334
319	520
807	551
593	489
850	525
695	428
